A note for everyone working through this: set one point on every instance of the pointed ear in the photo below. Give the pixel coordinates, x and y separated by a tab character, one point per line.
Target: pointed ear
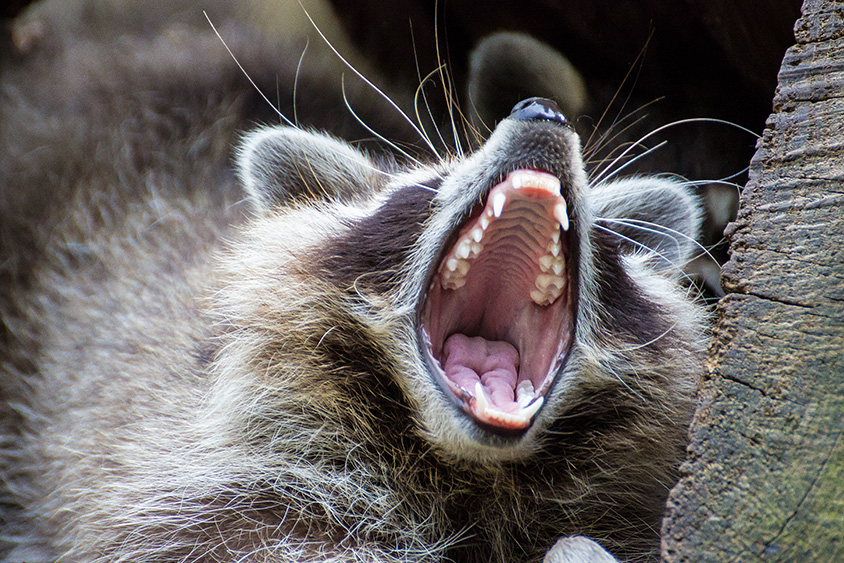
506	68
653	216
279	165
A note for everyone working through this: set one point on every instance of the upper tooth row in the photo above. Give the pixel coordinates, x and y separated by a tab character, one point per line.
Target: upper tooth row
453	273
527	178
468	247
552	264
561	214
549	290
456	267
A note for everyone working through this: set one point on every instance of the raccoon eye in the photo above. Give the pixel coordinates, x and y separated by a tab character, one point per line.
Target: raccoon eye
538	109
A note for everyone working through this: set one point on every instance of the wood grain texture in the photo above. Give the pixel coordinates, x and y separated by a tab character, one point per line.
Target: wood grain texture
765	476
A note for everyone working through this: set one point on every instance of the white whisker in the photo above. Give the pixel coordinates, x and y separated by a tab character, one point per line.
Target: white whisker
659	230
369	83
421	90
605	174
371	130
606	139
649	342
640	191
721	182
678	267
296	79
246	74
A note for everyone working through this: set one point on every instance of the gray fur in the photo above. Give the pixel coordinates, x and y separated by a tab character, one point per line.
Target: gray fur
184	379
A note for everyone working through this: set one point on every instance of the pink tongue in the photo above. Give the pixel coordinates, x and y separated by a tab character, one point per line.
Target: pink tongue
494	363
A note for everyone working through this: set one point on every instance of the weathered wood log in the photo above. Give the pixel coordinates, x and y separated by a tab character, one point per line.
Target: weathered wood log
765	477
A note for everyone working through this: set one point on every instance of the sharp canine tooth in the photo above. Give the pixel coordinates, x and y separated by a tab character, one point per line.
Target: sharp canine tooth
561	214
533	408
498	201
480	398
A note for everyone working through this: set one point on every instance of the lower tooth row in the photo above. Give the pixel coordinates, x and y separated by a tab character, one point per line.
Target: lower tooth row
525	393
519	418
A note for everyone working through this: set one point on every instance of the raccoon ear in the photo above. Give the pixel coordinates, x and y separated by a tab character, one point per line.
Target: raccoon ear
278	165
651	215
507	67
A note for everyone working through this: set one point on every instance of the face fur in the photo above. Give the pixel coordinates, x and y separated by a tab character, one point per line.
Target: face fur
504	288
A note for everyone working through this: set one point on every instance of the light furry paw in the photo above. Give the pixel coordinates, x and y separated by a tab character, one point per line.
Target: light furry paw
577	549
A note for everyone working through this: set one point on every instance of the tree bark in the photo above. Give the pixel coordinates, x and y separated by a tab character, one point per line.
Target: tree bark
765	475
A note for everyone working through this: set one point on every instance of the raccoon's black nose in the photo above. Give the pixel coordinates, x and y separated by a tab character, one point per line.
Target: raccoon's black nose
538	108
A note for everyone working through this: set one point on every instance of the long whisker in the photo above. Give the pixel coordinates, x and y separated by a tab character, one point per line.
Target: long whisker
649	342
421	90
446	82
658	229
369	83
679	267
719	182
635	65
606	139
606	174
470	130
371	130
246	74
730	177
683	182
296	80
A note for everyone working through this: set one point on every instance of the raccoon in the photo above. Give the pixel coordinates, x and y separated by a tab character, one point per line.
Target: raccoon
342	356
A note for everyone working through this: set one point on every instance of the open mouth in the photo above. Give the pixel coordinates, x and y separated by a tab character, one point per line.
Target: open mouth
499	314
